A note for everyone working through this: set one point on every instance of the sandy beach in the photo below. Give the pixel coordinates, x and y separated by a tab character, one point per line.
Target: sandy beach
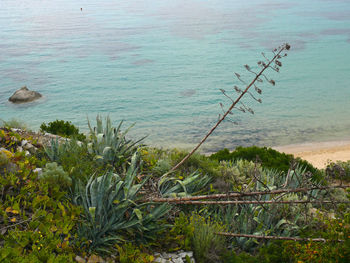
319	153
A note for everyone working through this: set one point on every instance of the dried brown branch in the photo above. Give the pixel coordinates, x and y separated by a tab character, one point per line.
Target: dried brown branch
257	77
274	237
19	223
258	202
240	194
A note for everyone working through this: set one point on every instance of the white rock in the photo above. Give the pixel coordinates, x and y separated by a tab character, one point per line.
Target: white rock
161	260
184	254
80	259
173	255
19	149
38	170
177	260
24	142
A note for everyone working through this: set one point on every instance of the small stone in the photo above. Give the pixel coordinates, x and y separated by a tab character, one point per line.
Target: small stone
177	260
24	142
161	260
19	149
184	254
173	255
80	259
38	170
30	147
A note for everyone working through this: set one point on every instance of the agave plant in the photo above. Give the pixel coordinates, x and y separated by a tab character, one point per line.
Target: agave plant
273	219
57	149
53	151
110	210
192	184
109	144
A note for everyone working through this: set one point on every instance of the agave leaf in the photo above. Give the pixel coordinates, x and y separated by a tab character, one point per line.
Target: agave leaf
138	213
281	222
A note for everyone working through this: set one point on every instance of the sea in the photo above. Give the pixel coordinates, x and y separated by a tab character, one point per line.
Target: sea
160	65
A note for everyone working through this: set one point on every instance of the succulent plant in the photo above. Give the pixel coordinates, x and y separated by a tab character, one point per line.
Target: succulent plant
190	185
109	144
110	210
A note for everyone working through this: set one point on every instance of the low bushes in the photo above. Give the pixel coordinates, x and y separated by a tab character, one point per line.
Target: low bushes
62	128
268	157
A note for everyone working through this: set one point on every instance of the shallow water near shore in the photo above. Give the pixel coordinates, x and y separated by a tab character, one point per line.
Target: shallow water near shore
161	64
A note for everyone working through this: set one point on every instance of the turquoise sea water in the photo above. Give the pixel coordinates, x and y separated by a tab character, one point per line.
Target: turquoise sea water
161	63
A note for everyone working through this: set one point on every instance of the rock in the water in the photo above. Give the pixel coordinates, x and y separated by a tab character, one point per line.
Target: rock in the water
24	95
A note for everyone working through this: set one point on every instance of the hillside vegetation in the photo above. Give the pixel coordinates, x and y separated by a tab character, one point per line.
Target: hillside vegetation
104	198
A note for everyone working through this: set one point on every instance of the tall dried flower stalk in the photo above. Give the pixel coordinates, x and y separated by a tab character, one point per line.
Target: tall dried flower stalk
273	63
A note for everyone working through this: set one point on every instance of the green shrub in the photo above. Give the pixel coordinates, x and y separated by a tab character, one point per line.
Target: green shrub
55	175
75	159
339	170
207	246
268	157
62	128
276	252
157	162
197	233
180	235
235	174
130	253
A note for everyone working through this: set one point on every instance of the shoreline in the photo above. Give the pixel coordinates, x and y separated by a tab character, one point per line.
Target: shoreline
319	154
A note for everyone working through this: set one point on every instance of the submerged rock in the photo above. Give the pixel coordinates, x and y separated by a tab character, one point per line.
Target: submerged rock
24	95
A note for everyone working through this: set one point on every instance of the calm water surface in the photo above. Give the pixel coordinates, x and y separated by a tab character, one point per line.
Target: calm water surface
161	64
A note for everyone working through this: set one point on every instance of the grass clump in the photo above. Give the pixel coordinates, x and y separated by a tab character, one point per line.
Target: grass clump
14	124
207	246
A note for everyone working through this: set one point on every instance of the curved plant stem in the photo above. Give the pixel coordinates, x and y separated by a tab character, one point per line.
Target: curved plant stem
277	55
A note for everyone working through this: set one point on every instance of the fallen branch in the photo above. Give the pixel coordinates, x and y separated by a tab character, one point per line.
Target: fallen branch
19	223
231	195
275	237
239	202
